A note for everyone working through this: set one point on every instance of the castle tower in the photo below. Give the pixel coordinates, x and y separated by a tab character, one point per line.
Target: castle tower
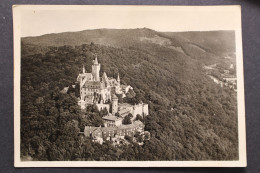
114	104
96	69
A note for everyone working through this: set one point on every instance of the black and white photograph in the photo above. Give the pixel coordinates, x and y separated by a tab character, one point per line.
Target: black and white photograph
128	86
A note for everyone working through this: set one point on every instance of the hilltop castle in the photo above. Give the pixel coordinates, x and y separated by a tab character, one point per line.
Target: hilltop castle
95	89
102	92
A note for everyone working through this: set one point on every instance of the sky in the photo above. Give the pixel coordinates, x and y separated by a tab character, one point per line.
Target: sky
39	20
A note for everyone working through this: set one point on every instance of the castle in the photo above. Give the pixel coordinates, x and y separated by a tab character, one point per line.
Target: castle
102	92
95	89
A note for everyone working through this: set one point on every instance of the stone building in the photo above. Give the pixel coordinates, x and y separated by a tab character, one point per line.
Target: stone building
112	121
99	134
124	109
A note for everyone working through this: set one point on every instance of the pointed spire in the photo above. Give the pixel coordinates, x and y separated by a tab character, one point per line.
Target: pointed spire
118	78
104	76
84	69
96	61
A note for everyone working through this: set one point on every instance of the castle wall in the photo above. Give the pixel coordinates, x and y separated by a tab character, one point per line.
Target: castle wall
118	122
138	109
141	109
145	109
125	109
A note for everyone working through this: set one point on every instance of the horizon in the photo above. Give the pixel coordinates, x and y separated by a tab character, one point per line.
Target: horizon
37	20
125	29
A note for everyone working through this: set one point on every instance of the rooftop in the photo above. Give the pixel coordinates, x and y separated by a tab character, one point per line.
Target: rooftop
114	96
110	117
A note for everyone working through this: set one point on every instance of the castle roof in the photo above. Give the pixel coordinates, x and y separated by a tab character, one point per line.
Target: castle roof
137	123
93	84
110	117
124	86
96	61
96	130
107	129
127	126
88	75
114	96
104	77
90	129
125	105
124	112
84	75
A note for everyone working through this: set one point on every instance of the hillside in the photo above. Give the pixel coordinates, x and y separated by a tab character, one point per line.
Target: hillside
109	37
215	44
191	118
219	42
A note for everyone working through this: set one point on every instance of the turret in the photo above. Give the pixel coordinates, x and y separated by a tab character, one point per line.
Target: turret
96	61
114	104
96	69
104	77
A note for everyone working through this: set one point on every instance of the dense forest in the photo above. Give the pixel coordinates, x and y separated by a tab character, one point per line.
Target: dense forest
190	117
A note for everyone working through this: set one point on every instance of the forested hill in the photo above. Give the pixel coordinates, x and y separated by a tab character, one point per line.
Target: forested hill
219	42
191	117
192	43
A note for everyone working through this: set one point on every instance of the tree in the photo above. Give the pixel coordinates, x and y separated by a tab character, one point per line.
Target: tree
128	138
92	108
103	112
139	117
138	137
117	114
127	119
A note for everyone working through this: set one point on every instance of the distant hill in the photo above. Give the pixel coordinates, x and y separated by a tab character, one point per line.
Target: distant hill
219	42
110	37
216	43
